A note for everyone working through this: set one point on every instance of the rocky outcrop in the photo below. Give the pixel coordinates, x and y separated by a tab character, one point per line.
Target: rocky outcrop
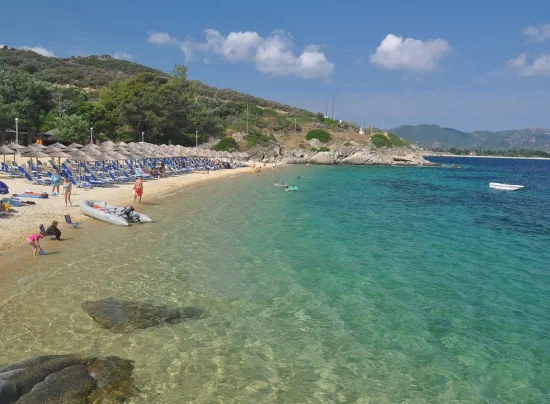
64	379
127	315
357	155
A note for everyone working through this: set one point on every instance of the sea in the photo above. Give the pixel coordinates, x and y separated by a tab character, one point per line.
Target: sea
368	285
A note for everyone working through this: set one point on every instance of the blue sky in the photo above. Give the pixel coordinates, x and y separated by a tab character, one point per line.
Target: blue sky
468	65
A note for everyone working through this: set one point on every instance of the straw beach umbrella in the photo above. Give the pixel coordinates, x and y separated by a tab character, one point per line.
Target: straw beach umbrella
6	150
77	145
58	145
83	158
59	154
89	146
37	154
15	146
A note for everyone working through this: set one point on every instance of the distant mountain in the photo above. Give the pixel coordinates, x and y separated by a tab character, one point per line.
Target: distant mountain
435	136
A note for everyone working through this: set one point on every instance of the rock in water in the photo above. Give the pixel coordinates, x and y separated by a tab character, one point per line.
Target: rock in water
64	379
126	315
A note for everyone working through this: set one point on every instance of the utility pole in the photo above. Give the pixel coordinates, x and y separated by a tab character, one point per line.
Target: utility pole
142	137
196	138
91	135
247	119
333	99
17	130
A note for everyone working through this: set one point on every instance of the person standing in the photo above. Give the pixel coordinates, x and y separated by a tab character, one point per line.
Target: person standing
138	188
56	179
67	189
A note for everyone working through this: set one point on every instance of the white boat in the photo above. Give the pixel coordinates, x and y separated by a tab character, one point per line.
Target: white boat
112	214
505	187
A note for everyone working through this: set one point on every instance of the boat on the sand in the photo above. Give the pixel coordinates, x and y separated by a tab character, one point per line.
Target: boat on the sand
505	187
112	214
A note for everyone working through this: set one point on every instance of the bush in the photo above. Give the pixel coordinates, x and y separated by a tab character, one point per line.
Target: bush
381	140
226	144
324	149
258	139
347	144
320	134
314	149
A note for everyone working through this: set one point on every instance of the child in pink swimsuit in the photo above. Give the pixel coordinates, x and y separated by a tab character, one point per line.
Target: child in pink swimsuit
34	241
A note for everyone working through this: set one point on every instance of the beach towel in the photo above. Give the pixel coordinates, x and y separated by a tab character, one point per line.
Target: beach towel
3	188
35	195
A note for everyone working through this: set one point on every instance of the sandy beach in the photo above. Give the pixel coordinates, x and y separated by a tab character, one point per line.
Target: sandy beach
24	220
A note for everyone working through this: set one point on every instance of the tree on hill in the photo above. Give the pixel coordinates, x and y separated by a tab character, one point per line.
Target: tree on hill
23	96
156	105
72	128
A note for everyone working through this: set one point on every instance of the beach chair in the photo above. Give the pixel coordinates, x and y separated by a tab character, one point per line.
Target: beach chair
70	223
28	178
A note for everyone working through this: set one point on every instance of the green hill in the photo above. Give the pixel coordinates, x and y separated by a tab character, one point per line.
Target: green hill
94	72
85	72
434	136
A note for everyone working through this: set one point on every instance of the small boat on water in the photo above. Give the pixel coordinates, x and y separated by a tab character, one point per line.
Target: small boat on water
112	214
505	187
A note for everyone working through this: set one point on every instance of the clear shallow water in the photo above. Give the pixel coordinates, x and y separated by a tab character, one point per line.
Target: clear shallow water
370	285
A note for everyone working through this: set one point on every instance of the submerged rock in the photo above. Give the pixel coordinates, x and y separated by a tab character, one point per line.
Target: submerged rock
126	315
67	379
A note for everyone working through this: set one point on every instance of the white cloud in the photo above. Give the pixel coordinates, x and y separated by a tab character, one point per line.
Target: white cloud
539	33
122	55
273	54
396	53
161	38
40	50
539	67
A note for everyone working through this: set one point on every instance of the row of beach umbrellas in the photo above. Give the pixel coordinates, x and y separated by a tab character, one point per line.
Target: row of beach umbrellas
110	151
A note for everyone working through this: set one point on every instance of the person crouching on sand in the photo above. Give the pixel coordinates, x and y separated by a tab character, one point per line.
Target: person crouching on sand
54	231
34	242
138	189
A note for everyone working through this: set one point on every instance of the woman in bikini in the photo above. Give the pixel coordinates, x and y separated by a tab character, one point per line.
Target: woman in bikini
138	189
34	242
56	179
67	189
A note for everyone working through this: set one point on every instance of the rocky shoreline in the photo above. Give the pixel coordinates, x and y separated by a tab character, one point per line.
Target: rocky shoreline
353	154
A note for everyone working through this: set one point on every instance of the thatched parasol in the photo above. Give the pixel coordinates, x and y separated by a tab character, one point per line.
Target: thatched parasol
58	145
89	146
83	158
6	150
15	146
59	154
77	145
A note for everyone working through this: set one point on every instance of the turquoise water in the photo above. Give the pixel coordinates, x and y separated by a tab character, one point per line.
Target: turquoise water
369	285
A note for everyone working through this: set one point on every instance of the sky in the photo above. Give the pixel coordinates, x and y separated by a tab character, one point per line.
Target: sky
467	65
